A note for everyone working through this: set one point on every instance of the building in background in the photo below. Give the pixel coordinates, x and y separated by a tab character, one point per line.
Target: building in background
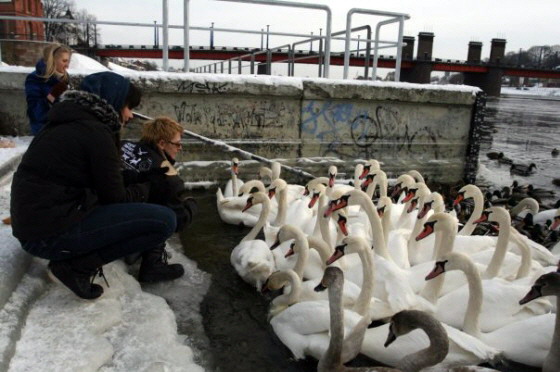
22	30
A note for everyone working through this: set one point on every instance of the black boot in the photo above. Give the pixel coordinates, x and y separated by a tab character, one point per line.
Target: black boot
154	267
78	273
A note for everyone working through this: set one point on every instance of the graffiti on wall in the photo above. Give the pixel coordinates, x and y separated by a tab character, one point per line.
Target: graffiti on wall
248	119
205	87
334	124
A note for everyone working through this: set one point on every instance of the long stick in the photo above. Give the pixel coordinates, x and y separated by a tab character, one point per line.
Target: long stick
224	146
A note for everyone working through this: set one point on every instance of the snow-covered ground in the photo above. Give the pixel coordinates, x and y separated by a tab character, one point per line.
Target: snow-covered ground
44	327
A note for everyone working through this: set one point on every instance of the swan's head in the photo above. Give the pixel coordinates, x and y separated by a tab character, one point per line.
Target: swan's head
416	175
495	214
358	171
556	221
333	277
235	166
333	170
407	321
252	187
341	222
316	192
265	175
404	182
451	261
410	193
433	201
275	281
276	186
370	166
438	222
350	244
276	170
546	285
337	204
368	181
466	192
256	198
288	232
384	206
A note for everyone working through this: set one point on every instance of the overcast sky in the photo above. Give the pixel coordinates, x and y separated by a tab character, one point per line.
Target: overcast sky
454	23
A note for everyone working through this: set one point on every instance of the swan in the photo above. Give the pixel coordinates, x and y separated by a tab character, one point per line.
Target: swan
252	258
513	340
331	187
265	175
542	217
499	298
548	285
307	264
233	185
370	166
408	321
294	191
230	209
525	206
296	211
374	179
416	175
341	348
422	251
466	192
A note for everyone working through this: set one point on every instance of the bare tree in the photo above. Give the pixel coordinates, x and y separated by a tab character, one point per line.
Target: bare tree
55	9
88	33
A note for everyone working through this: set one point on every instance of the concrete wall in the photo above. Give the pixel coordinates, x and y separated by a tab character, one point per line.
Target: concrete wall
404	125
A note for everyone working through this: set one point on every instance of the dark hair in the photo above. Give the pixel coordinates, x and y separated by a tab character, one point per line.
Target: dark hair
133	97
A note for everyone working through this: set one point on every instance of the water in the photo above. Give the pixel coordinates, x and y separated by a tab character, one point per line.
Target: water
234	315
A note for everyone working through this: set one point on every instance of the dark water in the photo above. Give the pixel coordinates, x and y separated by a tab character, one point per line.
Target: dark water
235	314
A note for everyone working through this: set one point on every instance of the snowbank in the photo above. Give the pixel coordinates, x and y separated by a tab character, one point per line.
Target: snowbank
44	327
532	91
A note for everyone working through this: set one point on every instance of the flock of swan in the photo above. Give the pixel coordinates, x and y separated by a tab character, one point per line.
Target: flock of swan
447	300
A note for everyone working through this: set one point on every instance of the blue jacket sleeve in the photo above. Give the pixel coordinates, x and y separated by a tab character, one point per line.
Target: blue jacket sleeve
36	91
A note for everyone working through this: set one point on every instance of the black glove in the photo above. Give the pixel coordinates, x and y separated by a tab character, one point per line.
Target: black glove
152	174
58	89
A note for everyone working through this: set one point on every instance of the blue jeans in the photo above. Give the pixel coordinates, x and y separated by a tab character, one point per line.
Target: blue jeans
112	231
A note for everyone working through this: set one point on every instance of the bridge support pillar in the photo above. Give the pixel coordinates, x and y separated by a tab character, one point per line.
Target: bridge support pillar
490	83
422	70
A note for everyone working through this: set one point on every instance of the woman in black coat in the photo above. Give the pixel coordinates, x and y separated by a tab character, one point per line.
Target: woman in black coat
69	202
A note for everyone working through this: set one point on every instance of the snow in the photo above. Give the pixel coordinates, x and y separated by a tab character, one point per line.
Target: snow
532	91
117	68
81	63
44	327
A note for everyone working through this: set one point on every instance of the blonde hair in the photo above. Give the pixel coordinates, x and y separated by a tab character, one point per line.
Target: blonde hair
160	128
50	54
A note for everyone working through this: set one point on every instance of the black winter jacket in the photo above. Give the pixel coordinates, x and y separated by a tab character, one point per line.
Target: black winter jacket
71	166
141	157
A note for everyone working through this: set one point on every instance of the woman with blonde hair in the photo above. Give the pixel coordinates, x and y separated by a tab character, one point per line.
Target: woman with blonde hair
44	85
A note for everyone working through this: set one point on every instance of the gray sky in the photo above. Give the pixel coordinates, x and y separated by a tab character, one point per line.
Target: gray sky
454	23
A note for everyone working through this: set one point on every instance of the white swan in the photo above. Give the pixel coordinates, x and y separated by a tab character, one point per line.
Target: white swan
252	258
414	321
370	166
548	285
416	175
233	185
230	209
514	339
466	192
422	251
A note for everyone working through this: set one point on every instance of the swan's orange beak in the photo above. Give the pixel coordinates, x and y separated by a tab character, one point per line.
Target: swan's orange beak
342	226
335	256
290	252
313	200
365	184
483	218
459	199
235	169
424	211
365	172
428	229
555	223
412	206
331	180
381	211
335	205
248	205
439	269
409	195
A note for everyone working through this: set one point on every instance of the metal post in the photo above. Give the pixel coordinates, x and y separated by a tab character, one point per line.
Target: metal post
229	66
269	62
212	36
155	34
262	37
368	53
267	31
239	67
252	63
186	40
311	43
165	35
376	45
319	59
399	50
358	47
222	68
347	45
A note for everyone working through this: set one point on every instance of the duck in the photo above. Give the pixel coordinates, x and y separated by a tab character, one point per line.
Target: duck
555	152
504	159
252	258
233	185
341	348
535	344
548	285
407	322
523	169
494	155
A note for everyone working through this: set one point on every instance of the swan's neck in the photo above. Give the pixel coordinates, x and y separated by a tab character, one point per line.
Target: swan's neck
303	255
324	221
376	228
412	243
288	299
493	268
370	191
332	357
477	212
234	187
525	266
383	186
432	289
552	359
471	324
321	247
282	207
260	223
386	223
433	354
368	282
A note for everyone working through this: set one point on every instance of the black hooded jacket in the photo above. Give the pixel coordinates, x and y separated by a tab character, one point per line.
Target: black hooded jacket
71	166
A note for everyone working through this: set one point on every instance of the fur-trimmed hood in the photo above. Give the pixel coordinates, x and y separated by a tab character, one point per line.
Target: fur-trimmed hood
92	103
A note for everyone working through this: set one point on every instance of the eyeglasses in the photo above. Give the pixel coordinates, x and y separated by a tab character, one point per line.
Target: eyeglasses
176	144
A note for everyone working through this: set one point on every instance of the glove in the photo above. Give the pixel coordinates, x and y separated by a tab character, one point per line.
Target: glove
152	174
58	89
